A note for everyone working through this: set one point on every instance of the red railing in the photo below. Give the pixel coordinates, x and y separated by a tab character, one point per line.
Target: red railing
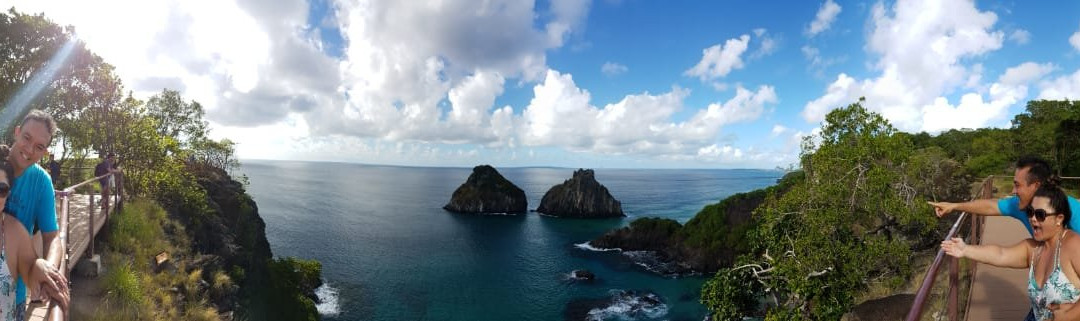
62	253
915	313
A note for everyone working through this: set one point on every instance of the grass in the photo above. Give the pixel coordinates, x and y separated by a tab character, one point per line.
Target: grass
135	291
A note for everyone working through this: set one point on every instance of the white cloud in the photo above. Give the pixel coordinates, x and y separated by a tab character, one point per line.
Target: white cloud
768	44
1064	87
1020	36
719	60
922	47
973	111
404	60
1025	73
719	86
561	114
778	130
1074	40
612	69
824	18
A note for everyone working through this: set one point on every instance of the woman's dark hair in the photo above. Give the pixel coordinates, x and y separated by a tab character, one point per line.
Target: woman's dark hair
5	166
1058	200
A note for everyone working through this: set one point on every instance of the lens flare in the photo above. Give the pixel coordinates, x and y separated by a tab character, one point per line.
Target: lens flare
18	103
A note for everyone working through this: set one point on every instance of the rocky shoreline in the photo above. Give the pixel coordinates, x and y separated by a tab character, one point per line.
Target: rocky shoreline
706	243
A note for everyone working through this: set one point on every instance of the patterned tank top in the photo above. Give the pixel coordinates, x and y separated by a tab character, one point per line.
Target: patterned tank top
1057	289
7	280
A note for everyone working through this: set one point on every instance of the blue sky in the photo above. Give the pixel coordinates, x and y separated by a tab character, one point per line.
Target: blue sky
608	83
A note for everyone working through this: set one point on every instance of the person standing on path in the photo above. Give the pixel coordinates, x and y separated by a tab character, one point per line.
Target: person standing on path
102	168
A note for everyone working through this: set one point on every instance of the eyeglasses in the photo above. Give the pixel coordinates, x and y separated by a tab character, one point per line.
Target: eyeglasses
4	189
1039	214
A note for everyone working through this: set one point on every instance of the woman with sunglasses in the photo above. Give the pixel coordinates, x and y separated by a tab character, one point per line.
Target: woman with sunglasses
1052	256
17	257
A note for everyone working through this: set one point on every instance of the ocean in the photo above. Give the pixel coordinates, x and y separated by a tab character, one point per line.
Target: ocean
390	252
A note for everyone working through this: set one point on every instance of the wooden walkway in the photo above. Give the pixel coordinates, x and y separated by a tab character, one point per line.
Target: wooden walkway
999	293
78	242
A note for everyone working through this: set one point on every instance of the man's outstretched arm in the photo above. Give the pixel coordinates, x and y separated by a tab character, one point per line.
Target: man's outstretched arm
977	207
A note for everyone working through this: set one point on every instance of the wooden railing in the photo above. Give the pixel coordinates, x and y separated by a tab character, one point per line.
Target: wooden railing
62	254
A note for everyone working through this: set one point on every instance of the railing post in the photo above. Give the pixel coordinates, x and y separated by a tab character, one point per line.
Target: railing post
90	227
954	288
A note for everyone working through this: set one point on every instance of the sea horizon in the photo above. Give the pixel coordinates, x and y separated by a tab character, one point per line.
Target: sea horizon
244	160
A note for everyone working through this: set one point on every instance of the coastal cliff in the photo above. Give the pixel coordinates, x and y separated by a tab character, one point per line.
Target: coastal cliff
487	191
581	196
709	241
229	235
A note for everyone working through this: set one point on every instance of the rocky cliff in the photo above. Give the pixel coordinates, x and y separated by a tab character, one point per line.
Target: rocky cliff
709	241
229	235
581	196
487	191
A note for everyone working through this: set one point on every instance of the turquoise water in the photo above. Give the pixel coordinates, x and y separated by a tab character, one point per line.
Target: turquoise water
390	252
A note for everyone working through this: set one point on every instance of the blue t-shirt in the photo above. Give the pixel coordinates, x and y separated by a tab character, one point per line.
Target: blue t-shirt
1010	206
33	201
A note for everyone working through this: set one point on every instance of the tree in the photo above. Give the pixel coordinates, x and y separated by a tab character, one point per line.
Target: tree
1039	131
1067	146
79	93
851	222
177	118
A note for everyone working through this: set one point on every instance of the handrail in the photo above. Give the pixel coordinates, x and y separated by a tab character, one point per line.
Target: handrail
61	256
928	280
931	274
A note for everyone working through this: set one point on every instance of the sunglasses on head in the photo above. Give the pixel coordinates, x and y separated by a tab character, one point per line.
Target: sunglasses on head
4	189
1039	214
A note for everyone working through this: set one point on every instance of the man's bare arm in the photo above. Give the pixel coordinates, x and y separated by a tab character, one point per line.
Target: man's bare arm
49	246
977	207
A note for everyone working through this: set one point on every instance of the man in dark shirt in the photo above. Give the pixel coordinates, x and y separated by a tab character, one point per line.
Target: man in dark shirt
54	171
102	168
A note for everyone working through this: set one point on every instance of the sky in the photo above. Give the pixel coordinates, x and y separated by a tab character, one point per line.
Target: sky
576	83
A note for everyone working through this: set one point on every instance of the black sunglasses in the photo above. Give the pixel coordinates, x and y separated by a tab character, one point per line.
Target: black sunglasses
4	189
1039	214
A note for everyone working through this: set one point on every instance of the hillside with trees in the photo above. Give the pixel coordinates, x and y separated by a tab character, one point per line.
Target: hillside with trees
168	160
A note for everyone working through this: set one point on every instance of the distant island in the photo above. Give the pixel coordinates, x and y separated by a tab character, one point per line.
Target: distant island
487	191
581	196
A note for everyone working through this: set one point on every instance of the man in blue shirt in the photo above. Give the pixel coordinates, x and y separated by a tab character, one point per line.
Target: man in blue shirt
32	199
1031	172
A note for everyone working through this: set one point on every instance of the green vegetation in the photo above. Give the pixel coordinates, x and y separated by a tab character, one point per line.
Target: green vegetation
851	224
719	226
204	218
135	288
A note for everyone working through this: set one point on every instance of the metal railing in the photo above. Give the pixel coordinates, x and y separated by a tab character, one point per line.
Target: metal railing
61	254
915	313
975	237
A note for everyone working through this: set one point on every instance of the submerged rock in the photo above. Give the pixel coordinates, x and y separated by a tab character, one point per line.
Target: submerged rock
487	191
621	305
583	275
581	196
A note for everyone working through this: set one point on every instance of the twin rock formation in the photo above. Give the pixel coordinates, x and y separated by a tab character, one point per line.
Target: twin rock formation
581	196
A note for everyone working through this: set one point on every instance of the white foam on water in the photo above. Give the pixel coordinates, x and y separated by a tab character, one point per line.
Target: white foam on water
329	298
628	306
588	247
